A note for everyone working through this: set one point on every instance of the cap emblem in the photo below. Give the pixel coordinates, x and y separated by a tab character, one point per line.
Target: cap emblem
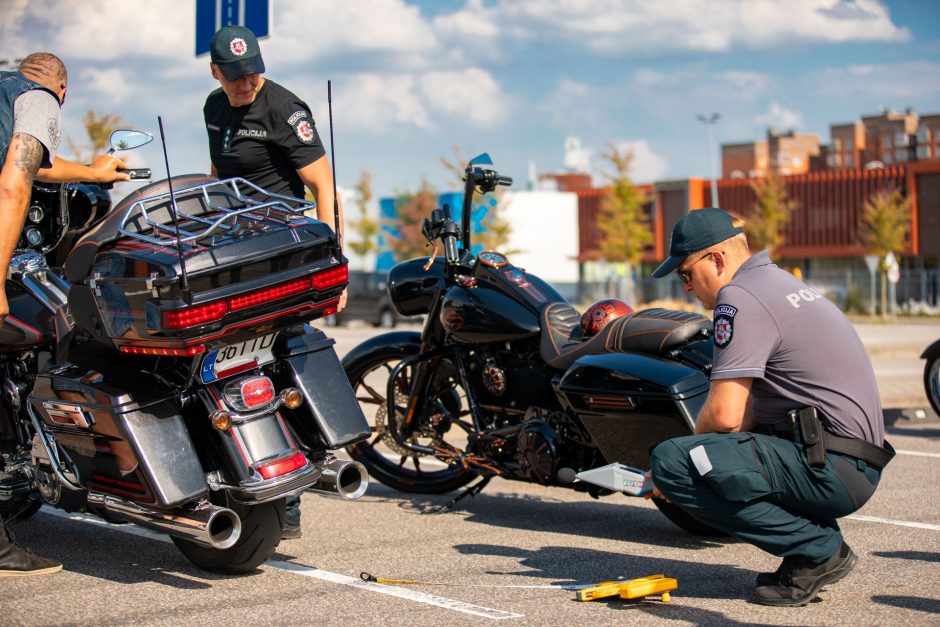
238	46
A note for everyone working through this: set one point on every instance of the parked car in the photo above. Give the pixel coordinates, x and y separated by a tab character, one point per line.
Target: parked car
367	300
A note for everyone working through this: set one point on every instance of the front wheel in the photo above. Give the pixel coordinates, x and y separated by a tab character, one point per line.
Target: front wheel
932	382
261	533
388	461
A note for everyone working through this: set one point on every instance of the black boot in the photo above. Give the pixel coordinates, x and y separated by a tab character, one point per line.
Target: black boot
799	584
18	561
772	579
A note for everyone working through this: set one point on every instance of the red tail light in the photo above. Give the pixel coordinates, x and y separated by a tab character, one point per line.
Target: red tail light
260	297
282	466
249	393
194	316
164	352
326	279
187	317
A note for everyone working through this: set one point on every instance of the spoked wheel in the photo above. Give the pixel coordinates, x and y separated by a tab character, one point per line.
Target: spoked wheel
386	459
932	382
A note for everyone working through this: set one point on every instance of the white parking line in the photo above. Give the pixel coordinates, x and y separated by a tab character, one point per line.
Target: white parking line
917	453
898	523
309	571
402	593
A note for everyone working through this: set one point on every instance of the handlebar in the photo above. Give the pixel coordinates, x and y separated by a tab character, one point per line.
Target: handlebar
137	173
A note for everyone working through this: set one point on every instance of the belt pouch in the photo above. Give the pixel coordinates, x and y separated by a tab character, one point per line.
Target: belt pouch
811	430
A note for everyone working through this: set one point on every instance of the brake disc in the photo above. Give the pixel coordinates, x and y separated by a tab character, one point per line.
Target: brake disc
382	429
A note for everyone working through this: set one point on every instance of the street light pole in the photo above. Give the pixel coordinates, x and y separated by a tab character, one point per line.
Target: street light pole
708	121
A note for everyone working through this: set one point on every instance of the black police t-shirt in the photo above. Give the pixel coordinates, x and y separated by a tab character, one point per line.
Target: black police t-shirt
265	142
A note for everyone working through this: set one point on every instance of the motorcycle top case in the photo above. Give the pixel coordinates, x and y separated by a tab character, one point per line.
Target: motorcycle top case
120	428
251	266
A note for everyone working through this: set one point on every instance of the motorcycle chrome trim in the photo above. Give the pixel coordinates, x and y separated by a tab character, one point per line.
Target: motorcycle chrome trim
347	479
286	206
264	490
210	525
66	414
241	418
54	461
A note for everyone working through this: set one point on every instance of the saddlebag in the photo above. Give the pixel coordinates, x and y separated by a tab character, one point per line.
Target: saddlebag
119	430
631	402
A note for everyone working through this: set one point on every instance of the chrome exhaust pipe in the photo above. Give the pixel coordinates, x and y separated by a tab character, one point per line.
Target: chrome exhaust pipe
210	525
347	479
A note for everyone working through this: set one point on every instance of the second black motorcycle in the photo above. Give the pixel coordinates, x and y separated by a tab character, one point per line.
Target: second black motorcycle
501	382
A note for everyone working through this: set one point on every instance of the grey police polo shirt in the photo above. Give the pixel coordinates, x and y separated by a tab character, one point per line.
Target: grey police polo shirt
798	348
36	113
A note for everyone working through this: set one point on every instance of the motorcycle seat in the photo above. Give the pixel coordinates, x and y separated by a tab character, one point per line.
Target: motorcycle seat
653	331
80	260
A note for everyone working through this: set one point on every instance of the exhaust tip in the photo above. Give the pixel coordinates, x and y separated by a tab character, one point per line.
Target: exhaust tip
223	529
352	480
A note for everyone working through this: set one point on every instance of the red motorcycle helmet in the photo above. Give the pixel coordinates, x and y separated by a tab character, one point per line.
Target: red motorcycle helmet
602	313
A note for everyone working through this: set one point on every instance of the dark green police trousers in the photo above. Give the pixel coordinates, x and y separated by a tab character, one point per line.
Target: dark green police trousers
760	488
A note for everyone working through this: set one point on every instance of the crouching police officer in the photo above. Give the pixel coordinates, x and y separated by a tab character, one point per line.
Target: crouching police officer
791	435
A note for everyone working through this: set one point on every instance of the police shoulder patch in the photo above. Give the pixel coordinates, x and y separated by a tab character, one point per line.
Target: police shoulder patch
724	325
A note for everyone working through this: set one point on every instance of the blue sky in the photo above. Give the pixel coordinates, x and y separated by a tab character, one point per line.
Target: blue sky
412	79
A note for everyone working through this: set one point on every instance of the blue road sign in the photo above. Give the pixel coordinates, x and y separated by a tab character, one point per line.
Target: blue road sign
211	15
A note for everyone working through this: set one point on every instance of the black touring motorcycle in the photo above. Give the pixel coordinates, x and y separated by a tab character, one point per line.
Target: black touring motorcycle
157	368
500	381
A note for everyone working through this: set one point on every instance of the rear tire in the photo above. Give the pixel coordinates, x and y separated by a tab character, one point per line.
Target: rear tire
680	518
261	533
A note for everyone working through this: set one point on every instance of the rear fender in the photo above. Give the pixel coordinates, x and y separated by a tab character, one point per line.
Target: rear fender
330	412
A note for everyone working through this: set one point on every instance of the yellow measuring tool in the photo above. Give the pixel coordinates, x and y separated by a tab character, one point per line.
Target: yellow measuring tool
633	589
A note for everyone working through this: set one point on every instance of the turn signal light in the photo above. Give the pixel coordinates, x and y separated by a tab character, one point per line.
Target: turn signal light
326	279
292	398
221	420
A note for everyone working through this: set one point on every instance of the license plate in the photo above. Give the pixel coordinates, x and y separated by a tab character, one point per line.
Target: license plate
230	360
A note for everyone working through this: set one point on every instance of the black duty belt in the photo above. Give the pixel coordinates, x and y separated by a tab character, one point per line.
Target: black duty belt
807	429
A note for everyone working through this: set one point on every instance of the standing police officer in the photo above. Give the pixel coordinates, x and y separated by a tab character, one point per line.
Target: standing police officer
791	435
260	131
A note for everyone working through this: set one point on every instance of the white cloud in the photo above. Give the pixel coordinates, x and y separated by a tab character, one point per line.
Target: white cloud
779	117
372	102
646	166
471	95
651	28
892	84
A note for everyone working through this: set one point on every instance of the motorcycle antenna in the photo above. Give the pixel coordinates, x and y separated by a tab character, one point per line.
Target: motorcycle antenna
329	106
184	280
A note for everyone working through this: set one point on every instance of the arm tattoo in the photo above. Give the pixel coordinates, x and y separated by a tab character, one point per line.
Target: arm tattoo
28	156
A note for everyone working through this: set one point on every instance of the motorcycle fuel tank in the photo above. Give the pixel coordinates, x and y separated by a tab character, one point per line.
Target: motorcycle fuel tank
485	314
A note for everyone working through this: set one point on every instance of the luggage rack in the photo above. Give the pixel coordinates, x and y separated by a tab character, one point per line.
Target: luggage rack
285	207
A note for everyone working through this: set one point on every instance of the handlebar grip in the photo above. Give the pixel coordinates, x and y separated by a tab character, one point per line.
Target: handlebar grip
137	173
504	180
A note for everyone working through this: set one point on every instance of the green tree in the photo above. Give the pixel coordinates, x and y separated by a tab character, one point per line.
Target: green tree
366	227
886	222
623	220
410	210
99	129
496	229
770	214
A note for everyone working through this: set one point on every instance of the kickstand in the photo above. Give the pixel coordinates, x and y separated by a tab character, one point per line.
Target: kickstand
471	491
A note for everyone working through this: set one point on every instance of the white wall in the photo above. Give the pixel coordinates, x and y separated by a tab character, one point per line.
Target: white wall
545	231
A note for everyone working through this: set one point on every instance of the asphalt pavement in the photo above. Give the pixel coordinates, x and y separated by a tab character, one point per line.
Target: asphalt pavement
514	554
